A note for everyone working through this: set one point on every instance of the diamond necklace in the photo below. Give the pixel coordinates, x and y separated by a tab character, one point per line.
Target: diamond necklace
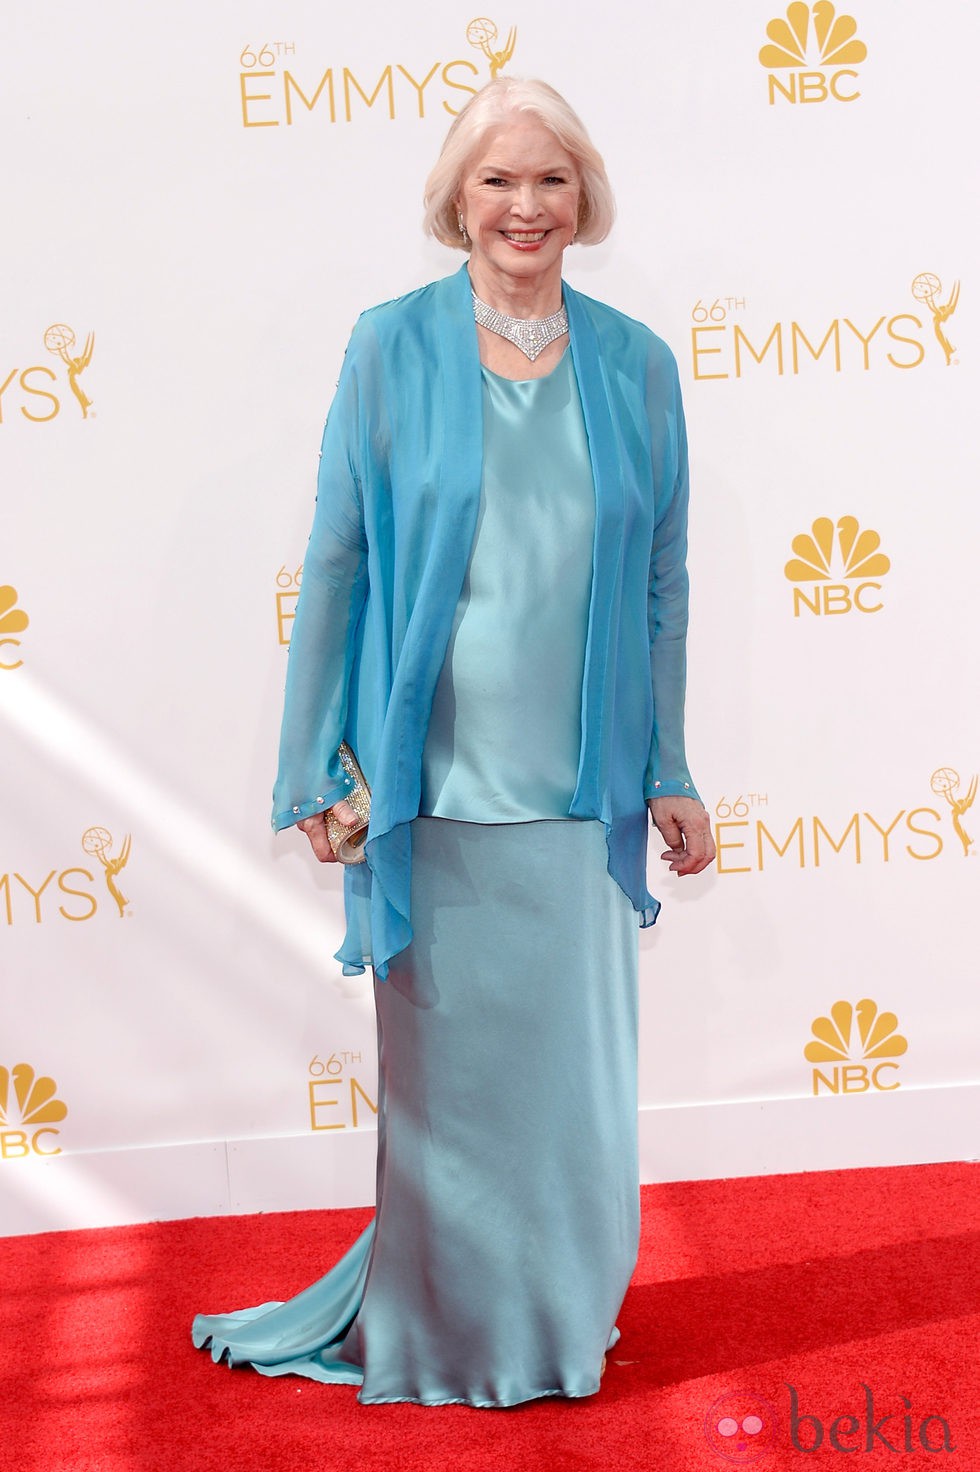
531	334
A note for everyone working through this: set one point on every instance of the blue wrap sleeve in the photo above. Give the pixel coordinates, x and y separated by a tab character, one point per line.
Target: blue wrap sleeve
667	773
321	652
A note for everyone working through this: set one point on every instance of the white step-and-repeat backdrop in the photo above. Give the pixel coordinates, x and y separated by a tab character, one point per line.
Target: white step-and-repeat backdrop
198	200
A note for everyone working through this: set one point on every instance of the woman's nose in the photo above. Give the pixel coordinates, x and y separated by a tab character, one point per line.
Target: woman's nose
525	202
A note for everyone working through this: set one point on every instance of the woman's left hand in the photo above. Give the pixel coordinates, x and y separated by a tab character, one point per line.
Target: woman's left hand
685	827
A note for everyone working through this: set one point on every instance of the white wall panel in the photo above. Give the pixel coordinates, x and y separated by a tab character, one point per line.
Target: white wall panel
154	516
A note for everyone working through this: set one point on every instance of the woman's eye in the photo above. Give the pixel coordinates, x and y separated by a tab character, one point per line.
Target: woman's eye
495	179
554	179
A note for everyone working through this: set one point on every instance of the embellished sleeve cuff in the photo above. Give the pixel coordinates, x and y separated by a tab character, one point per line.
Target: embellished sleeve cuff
311	805
666	787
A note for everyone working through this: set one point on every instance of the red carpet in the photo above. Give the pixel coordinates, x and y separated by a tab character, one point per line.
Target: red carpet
750	1295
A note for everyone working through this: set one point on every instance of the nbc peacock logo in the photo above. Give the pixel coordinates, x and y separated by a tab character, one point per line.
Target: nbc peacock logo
860	1044
839	564
29	1108
811	55
13	621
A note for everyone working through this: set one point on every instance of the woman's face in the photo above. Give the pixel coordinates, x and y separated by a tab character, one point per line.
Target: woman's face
519	201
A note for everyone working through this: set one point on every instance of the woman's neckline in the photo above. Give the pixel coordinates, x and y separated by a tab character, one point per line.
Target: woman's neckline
539	378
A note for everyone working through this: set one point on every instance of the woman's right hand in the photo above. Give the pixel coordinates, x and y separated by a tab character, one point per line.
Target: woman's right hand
315	829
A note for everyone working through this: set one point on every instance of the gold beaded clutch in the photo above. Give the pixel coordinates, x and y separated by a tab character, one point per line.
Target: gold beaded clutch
348	843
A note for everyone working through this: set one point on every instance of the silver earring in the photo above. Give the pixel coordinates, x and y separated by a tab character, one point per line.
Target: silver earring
462	225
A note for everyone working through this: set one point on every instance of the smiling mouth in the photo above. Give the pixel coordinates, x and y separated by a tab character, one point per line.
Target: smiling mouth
524	237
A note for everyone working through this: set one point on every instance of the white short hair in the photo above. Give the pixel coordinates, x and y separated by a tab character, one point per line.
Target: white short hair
486	111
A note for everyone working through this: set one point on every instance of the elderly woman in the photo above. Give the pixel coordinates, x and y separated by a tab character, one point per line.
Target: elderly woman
493	617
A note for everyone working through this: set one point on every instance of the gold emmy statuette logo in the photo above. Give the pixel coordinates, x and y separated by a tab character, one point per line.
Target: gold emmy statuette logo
27	1117
944	782
877	1038
482	33
13	620
60	339
834	48
926	288
859	561
98	842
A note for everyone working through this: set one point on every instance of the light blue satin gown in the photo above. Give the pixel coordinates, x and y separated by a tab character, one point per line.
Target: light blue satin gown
507	1216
